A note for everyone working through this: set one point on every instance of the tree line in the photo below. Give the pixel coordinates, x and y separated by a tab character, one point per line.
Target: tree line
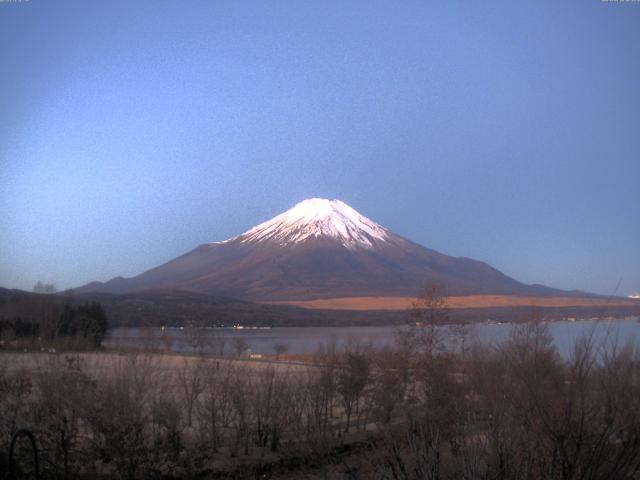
29	321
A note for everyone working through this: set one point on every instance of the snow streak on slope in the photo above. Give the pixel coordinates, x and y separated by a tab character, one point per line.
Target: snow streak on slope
317	217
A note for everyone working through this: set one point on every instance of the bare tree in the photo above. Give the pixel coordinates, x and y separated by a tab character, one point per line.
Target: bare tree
270	401
167	435
428	316
240	346
280	349
352	378
190	378
64	391
240	420
389	383
119	418
196	338
215	406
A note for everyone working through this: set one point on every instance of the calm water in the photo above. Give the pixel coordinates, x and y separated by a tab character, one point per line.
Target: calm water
310	339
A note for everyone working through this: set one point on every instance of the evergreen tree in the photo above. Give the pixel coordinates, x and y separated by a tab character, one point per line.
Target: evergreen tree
88	322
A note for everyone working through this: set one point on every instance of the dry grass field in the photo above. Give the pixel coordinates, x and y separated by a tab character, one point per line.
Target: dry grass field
471	301
97	364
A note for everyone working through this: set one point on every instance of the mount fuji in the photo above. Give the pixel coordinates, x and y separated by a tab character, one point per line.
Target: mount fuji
319	249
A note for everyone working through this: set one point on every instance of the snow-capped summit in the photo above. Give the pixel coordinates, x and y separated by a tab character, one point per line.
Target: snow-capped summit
318	217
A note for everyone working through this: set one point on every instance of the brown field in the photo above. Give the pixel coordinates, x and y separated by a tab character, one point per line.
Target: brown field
471	301
98	363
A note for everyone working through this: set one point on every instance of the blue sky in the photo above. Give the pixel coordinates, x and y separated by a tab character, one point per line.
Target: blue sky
132	131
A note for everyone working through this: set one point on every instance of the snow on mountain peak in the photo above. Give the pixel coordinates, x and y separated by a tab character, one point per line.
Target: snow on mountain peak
318	217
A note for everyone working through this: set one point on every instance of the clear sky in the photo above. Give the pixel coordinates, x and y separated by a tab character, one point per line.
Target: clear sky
507	131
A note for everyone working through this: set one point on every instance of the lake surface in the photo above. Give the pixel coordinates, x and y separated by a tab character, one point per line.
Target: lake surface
304	340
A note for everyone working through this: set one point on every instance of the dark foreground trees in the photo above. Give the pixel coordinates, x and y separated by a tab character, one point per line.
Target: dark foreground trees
519	411
511	411
48	321
86	322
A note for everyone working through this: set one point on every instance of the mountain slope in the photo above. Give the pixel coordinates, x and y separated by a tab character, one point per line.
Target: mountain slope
319	249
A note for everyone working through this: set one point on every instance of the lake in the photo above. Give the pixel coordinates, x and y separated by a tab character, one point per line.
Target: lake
304	340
